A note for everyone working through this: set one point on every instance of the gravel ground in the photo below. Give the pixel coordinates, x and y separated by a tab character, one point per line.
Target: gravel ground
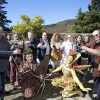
50	93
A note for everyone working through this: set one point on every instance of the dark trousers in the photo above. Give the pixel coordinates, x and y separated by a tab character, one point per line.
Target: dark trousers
13	73
96	88
2	81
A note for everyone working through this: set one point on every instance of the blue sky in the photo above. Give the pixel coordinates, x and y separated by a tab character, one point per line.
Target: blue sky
52	11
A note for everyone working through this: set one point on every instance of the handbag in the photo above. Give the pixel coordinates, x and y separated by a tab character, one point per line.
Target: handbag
56	55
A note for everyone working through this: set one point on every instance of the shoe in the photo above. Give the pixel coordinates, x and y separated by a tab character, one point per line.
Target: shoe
92	92
6	92
97	98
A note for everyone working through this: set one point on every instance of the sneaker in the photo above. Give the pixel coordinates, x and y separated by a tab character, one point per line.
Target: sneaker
97	98
6	92
13	87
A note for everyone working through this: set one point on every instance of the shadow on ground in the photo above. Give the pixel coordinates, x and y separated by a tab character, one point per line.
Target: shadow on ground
50	92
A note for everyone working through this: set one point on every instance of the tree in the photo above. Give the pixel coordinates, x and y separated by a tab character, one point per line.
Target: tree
3	18
27	24
79	23
89	21
95	5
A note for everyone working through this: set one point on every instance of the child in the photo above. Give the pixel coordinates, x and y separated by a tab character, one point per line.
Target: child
31	76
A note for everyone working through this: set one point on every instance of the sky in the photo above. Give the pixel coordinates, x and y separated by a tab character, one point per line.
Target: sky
52	11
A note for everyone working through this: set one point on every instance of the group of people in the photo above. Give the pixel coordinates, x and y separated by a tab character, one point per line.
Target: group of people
29	59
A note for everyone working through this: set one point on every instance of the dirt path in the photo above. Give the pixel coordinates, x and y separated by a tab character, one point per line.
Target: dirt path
50	93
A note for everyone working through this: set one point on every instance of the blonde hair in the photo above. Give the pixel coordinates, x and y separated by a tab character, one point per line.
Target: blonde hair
53	40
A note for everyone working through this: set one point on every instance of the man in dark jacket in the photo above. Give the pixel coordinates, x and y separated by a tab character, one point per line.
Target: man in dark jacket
7	54
44	52
4	63
33	43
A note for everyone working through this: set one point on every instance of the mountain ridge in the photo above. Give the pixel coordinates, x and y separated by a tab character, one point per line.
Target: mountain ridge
60	27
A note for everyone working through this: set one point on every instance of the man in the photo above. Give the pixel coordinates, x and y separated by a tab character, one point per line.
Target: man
15	60
95	44
4	63
33	43
44	52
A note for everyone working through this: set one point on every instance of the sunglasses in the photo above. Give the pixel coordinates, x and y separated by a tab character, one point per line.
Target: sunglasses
96	35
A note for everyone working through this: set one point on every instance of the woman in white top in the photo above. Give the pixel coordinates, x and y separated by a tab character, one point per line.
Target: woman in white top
55	45
68	45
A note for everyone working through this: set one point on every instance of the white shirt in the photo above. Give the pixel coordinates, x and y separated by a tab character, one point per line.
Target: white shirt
47	47
66	47
57	45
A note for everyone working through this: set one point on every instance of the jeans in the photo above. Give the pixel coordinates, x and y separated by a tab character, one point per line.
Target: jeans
2	81
96	88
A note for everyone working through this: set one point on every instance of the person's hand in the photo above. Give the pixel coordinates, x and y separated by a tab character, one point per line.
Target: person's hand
50	74
39	45
44	46
17	51
84	48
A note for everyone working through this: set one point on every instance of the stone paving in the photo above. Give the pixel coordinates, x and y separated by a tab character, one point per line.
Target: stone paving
50	93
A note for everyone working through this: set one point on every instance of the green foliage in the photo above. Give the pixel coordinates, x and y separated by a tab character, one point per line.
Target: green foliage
3	18
27	24
89	21
95	5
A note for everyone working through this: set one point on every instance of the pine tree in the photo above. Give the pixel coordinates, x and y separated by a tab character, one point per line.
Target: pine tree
95	5
79	23
88	21
3	18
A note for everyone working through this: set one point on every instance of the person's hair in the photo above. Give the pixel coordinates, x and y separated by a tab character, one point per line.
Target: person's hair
69	35
27	52
19	36
53	37
30	33
78	36
88	38
97	31
44	32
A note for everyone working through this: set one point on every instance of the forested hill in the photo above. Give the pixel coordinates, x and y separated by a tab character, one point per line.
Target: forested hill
60	27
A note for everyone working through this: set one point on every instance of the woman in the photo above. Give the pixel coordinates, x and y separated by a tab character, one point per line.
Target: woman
79	42
55	46
86	58
31	76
